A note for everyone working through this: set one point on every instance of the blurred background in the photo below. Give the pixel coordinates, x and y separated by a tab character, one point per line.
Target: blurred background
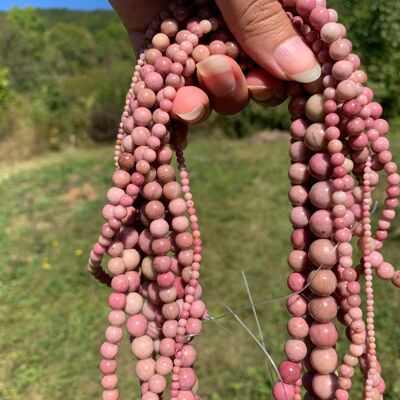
63	78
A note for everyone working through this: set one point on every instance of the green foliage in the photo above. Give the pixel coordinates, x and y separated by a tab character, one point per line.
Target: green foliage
4	87
69	70
374	28
71	48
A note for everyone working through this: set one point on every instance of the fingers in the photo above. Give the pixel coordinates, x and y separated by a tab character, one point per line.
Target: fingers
229	90
223	80
265	88
191	105
266	34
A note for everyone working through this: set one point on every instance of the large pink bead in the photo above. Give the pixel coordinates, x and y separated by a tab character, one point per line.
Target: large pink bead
145	369
320	166
187	378
189	356
323	309
323	252
185	395
323	334
157	383
324	386
321	224
137	325
321	194
167	347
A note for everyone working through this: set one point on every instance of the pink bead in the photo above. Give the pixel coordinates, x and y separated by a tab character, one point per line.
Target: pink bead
297	305
319	16
298	327
117	301
295	350
137	325
110	394
185	395
142	116
289	371
108	350
320	166
321	194
324	386
120	283
157	383
298	128
114	334
165	279
385	271
187	378
304	7
347	90
108	366
283	391
330	32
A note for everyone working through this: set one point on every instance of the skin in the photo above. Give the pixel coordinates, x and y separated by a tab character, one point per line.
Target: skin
262	29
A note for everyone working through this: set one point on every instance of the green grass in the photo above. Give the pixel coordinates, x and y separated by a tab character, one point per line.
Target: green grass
53	314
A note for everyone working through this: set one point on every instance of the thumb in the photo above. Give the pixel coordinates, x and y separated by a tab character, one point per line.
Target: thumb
266	34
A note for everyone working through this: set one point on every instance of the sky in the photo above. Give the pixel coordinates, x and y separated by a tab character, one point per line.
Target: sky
73	4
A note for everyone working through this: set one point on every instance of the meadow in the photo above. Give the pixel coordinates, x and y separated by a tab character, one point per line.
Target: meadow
53	314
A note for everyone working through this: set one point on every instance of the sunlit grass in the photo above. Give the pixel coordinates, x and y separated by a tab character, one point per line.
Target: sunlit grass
53	313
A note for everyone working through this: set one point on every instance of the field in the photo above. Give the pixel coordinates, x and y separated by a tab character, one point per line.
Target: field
53	313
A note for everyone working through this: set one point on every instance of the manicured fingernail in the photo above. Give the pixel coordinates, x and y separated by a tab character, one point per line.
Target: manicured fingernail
296	59
216	74
194	116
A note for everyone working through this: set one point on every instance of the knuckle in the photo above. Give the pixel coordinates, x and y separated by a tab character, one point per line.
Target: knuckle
264	17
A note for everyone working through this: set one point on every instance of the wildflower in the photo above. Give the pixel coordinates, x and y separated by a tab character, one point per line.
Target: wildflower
46	265
78	252
54	243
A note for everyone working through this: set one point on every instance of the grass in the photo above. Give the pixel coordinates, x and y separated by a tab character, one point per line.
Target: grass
53	314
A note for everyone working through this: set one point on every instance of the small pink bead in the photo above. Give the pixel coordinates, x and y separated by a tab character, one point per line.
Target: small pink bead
283	391
114	334
120	283
117	301
108	366
110	394
108	350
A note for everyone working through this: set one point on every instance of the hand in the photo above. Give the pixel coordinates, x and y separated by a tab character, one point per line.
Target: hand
265	33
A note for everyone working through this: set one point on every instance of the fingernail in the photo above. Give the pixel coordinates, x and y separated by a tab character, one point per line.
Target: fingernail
296	59
261	93
196	115
217	76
